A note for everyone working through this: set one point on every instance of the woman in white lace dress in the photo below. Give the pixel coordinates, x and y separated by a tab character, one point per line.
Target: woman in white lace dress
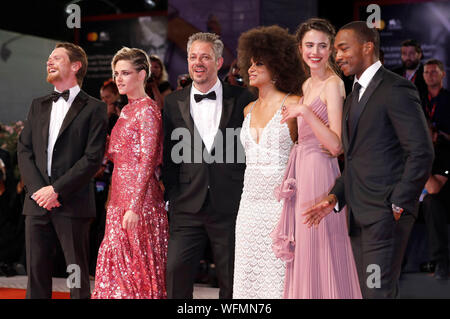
269	61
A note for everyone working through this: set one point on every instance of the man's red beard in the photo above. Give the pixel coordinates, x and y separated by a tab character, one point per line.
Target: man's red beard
53	77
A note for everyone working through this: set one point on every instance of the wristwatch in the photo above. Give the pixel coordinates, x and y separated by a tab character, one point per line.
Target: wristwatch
396	209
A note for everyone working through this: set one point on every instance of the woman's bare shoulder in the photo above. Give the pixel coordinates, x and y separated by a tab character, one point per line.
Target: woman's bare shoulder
248	108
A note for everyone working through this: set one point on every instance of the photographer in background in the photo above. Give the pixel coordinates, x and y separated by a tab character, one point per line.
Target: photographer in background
12	225
233	77
436	100
183	80
110	95
436	206
412	67
157	85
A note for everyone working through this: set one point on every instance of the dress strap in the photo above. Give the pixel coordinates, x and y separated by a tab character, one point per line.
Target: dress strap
252	107
284	99
321	91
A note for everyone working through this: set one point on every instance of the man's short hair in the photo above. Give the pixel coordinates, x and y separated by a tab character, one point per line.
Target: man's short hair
212	38
437	62
365	34
76	54
412	43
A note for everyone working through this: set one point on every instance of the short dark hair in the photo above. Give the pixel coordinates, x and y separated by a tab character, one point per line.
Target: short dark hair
412	43
365	34
437	62
110	85
76	54
277	49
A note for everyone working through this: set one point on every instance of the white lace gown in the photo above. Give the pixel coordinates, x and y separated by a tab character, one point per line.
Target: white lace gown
257	272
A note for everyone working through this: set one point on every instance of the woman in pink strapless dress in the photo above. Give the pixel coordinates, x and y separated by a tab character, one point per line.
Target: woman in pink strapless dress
132	258
320	261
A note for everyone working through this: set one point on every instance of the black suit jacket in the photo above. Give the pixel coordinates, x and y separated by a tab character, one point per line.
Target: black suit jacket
187	182
77	154
388	158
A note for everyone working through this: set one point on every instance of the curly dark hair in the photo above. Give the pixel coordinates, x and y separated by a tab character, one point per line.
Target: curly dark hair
322	25
277	49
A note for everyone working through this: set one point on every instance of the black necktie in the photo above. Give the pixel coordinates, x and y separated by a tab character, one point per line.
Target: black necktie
352	117
211	95
56	95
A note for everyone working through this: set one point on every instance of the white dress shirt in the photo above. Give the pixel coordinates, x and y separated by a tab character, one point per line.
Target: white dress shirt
206	114
366	77
364	81
59	111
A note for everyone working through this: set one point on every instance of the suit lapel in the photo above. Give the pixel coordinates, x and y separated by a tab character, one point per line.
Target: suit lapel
227	110
77	105
227	107
185	109
373	84
345	137
184	105
46	110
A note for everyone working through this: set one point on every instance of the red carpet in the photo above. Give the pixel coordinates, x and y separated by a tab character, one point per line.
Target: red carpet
12	293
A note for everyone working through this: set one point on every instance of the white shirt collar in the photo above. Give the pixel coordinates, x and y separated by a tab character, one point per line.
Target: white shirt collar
73	93
368	74
215	87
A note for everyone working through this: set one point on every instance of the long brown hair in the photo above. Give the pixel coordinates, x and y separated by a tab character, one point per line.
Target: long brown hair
322	25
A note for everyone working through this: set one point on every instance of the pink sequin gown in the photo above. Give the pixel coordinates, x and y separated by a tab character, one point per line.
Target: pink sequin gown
320	263
132	264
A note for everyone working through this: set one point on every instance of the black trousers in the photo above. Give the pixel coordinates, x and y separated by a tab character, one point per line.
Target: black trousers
435	214
41	235
188	237
378	250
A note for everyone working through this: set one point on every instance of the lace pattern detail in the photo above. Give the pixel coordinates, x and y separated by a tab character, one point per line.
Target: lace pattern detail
258	273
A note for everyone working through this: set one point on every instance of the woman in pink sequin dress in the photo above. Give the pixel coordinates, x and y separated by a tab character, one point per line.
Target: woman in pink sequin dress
132	257
320	261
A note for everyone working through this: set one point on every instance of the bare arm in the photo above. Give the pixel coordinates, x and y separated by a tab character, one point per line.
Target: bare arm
292	123
329	136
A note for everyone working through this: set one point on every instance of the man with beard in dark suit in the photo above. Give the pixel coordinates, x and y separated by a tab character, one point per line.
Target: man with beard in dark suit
388	158
60	149
412	68
204	184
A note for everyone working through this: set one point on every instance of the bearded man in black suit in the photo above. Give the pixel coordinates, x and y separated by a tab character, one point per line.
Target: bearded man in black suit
204	184
60	149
